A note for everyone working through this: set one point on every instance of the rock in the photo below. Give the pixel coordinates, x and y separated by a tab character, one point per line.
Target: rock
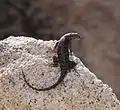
79	91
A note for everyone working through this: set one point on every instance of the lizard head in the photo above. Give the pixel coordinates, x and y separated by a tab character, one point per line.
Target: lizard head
71	36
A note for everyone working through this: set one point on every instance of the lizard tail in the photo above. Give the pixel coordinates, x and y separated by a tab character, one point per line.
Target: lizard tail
61	78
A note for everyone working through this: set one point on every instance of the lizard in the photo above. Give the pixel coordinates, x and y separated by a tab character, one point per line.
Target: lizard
62	48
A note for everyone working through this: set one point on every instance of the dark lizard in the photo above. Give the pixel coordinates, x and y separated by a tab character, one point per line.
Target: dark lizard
62	49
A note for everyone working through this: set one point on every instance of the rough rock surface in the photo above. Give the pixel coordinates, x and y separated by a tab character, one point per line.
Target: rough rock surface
78	91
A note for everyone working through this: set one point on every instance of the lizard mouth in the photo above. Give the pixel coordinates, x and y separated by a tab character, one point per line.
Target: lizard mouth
77	38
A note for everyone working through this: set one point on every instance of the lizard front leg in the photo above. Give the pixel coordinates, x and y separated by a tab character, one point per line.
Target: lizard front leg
55	61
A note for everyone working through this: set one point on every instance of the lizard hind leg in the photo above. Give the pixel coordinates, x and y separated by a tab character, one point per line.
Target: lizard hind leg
72	64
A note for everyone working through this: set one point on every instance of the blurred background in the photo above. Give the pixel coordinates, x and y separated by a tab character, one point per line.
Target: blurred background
98	21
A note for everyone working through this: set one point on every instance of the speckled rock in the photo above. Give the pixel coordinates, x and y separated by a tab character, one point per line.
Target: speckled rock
80	90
